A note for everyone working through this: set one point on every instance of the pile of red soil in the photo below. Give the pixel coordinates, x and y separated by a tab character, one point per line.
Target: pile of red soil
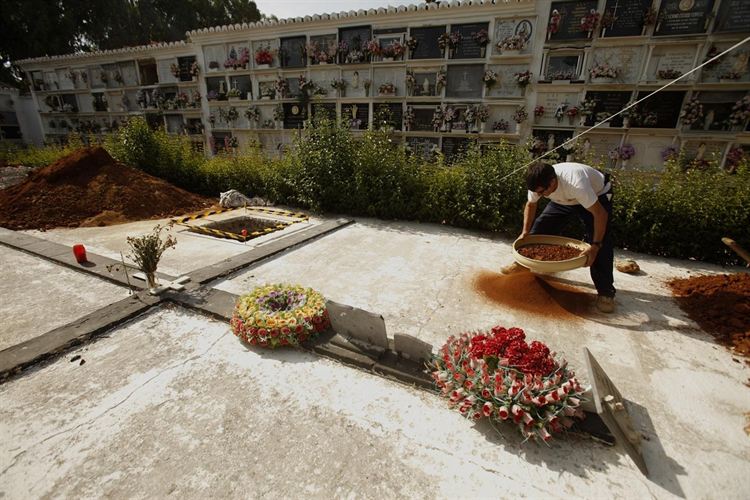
549	252
89	188
534	294
720	305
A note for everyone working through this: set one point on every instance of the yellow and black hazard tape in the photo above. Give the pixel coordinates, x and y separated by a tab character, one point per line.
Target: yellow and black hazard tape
273	211
239	237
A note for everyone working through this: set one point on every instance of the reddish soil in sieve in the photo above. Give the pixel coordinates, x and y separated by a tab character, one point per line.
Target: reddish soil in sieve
549	252
534	294
89	188
720	305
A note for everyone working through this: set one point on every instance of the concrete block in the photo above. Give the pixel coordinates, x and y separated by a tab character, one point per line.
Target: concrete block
357	324
412	348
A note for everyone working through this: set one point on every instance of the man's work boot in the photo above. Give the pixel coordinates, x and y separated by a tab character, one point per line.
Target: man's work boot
605	304
513	268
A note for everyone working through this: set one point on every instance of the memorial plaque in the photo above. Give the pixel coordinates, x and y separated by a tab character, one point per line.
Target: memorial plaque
454	148
468	48
552	137
733	15
324	109
666	105
674	59
355	37
292	52
626	59
185	64
423	117
551	102
728	67
295	115
608	102
356	115
628	17
214	84
425	89
571	13
389	113
465	81
683	17
423	146
243	84
427	42
323	43
356	82
506	85
505	28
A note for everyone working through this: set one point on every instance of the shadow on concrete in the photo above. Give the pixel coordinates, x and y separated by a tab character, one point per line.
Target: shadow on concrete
571	453
663	469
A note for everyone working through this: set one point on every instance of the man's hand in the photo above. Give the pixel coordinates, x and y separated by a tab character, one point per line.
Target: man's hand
590	254
523	234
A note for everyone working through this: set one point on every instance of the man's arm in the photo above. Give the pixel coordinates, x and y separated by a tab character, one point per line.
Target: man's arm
600	228
529	214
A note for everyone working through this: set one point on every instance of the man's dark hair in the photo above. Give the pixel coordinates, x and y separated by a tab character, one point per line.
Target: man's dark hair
539	175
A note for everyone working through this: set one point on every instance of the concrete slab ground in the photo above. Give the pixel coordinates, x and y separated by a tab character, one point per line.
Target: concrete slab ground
38	296
173	404
159	408
192	252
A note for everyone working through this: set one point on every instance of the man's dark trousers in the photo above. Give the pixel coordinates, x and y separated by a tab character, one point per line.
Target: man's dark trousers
550	221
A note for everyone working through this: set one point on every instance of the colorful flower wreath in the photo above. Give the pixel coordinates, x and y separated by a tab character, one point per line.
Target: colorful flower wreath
498	375
279	315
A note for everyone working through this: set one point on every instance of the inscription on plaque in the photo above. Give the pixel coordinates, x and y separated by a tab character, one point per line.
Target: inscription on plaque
506	28
427	42
666	105
627	17
682	17
465	81
454	147
681	61
734	15
571	13
468	48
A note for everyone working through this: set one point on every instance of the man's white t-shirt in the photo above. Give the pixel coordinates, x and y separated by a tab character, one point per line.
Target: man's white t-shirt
577	184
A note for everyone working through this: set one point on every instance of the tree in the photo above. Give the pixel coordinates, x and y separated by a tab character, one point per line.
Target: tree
35	28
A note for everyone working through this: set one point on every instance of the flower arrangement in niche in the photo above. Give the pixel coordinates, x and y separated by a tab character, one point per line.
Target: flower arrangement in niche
608	19
232	61
563	75
410	81
649	16
481	37
387	89
626	151
409	118
438	118
441	80
234	93
482	113
393	50
182	99
213	65
252	114
470	117
730	75
339	84
538	111
590	21
412	43
195	69
279	315
512	43
588	106
497	375
449	40
264	56
489	78
282	87
523	78
520	115
118	78
669	153
692	112
500	126
278	113
372	47
195	98
560	111
554	22
734	158
367	84
604	71
175	70
602	116
740	112
231	143
450	116
668	74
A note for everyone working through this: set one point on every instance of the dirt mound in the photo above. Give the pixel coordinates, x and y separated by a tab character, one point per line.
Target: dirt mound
720	305
89	188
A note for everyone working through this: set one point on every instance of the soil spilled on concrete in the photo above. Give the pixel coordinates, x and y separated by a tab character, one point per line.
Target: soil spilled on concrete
535	294
720	305
90	188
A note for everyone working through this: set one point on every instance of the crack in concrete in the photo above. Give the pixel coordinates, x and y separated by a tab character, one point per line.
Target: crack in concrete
16	458
439	302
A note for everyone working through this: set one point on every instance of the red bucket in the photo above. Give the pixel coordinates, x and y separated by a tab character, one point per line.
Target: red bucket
79	251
